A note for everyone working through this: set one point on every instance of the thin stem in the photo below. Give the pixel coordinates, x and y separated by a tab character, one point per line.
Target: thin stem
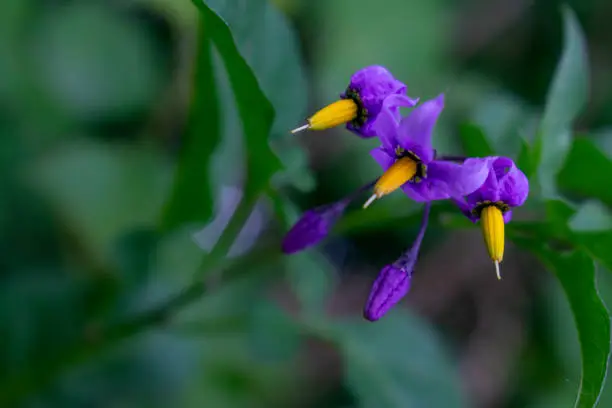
424	223
22	384
233	228
460	159
410	256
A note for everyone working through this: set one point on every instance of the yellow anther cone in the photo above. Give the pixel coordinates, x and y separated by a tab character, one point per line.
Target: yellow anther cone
338	113
492	225
399	173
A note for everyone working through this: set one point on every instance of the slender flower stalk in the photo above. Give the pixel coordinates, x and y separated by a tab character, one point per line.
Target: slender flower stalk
491	204
393	281
370	90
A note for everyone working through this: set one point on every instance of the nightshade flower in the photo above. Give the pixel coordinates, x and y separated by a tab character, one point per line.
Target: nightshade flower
505	187
370	90
408	158
316	223
393	281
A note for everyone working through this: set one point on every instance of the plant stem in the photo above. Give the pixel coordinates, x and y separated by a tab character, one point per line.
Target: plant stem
14	389
460	159
228	236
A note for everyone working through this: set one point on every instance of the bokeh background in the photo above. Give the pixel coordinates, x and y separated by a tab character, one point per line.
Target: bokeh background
94	103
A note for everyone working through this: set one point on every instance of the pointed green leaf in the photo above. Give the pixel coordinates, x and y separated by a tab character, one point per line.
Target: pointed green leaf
586	172
255	111
524	161
474	141
191	197
576	273
566	98
397	362
592	216
270	46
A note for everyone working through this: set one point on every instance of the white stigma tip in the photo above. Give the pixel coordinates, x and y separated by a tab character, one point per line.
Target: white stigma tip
301	128
497	270
370	201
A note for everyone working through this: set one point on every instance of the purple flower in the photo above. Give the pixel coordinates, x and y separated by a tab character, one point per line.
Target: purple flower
505	186
373	89
393	281
408	158
370	91
491	204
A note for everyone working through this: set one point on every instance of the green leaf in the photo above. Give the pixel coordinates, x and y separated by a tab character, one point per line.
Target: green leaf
272	334
524	161
585	227
586	172
603	139
591	226
474	141
566	98
102	191
270	46
310	276
191	198
592	216
92	62
266	41
576	273
397	362
309	273
231	377
256	112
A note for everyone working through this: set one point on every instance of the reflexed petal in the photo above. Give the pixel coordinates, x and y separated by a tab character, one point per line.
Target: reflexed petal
508	216
446	179
386	126
390	287
378	91
312	227
374	84
429	189
501	166
488	189
415	130
391	105
466	209
514	187
410	191
382	157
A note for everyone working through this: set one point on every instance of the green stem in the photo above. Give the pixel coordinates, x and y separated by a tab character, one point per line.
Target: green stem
13	389
228	236
19	386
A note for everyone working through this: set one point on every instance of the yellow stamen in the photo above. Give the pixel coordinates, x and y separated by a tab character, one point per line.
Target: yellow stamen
399	173
337	113
492	224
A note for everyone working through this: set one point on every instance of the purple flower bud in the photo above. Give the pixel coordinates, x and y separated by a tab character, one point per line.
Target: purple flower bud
390	287
314	225
393	281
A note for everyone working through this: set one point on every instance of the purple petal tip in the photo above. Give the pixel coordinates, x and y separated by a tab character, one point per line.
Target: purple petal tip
389	288
312	227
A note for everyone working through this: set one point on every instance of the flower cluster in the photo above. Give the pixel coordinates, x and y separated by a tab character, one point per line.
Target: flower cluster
485	189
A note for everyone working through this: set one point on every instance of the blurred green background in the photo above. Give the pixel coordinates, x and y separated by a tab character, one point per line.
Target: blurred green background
95	113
